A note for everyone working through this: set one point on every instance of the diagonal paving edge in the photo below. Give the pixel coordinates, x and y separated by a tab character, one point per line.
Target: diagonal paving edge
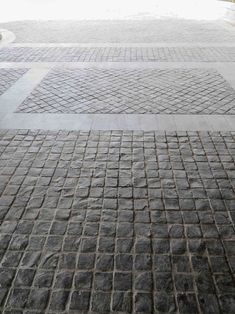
11	99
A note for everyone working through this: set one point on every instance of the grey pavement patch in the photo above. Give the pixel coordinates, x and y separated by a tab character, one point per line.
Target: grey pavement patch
139	91
117	54
11	99
117	222
8	77
143	122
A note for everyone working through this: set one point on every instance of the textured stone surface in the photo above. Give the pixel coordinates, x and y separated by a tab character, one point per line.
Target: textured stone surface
8	77
117	54
179	91
117	222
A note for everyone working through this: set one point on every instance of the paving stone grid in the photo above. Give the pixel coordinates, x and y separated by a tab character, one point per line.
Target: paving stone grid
8	77
141	91
126	222
117	54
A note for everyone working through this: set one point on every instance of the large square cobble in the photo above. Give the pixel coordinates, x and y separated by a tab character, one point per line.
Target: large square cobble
117	222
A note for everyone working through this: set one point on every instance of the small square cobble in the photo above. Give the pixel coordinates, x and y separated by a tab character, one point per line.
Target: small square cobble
127	222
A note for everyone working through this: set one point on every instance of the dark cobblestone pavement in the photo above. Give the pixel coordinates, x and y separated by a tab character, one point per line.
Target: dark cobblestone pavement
117	222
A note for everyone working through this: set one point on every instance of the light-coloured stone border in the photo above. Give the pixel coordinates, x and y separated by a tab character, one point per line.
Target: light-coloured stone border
143	122
126	45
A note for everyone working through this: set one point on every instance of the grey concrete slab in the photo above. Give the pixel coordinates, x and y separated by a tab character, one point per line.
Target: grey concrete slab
47	121
231	122
184	123
118	122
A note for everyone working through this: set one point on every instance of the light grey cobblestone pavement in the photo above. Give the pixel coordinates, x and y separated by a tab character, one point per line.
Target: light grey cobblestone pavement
117	54
117	222
182	91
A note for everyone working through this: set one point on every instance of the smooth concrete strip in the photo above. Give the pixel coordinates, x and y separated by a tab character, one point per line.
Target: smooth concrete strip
225	68
119	122
231	122
17	93
217	123
47	121
228	72
166	122
184	123
119	45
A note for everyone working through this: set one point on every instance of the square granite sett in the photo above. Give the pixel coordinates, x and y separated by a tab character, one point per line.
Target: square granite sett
117	222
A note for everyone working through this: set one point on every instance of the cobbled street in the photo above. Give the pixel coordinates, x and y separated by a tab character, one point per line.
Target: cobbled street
117	167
